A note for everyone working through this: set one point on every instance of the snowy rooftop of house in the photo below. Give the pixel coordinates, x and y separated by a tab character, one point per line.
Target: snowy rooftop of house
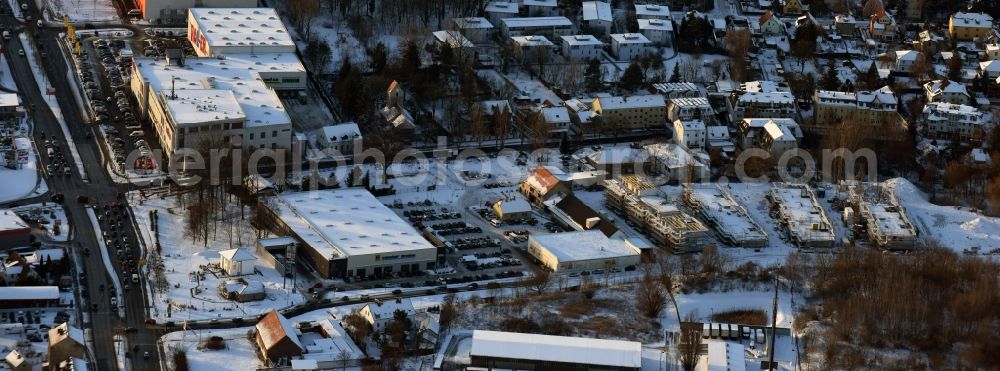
668	87
15	359
779	132
973	20
776	97
761	122
614	353
502	7
651	10
725	356
691	102
29	293
555	114
693	125
583	245
717	132
581	40
540	2
881	95
10	221
515	205
632	101
537	22
37	256
473	23
65	331
274	327
941	111
531	40
241	26
597	10
196	106
845	97
241	74
331	348
805	217
655	24
945	86
386	309
990	66
672	155
9	99
764	86
237	254
345	222
347	130
453	39
907	55
629	38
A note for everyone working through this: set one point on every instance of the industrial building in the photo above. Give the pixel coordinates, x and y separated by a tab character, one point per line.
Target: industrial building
582	251
517	351
221	96
348	232
645	205
226	31
801	214
174	11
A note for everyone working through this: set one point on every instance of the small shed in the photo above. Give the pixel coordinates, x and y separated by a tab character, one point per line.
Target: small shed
512	209
237	262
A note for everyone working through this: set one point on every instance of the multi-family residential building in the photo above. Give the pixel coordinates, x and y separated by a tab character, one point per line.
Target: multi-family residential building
476	29
762	99
690	133
540	8
947	91
629	46
633	112
905	59
876	109
691	109
652	11
557	119
969	26
496	11
946	120
551	27
775	135
659	31
532	49
671	90
581	47
597	16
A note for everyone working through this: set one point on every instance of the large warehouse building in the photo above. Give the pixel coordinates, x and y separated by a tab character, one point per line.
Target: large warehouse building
515	351
174	11
226	31
348	232
582	251
222	95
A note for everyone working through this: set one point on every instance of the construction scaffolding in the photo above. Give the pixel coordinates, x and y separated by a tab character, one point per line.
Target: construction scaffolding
882	216
796	208
645	205
723	213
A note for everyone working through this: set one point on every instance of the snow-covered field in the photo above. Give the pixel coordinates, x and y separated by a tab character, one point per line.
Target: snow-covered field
181	258
23	182
79	10
238	355
952	227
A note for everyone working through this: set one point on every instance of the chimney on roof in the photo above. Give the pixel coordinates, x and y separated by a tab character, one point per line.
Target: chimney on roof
591	222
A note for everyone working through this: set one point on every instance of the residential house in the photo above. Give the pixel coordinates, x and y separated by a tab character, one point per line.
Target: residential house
791	7
276	338
550	27
672	90
619	160
512	208
947	91
990	69
475	29
241	290
542	185
462	48
532	49
630	46
652	11
570	211
882	26
659	31
718	139
66	342
381	313
877	109
969	26
598	17
690	133
340	138
496	11
540	8
762	99
676	164
906	59
775	135
581	47
945	121
395	115
992	51
691	109
632	112
557	119
770	25
237	262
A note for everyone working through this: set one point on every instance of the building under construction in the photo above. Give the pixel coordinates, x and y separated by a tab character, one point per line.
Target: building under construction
647	206
796	209
881	216
730	220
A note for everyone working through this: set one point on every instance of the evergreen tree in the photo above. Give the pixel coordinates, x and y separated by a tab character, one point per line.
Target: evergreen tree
380	57
411	58
676	75
871	77
594	76
632	78
830	81
955	66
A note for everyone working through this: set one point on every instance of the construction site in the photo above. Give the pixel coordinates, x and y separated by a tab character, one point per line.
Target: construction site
800	214
873	210
645	205
730	220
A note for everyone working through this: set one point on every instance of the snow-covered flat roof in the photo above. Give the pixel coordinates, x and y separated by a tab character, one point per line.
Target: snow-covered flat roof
453	39
190	106
555	114
531	40
581	40
629	38
537	22
764	86
691	102
655	24
651	10
347	222
242	74
473	23
801	210
633	101
972	20
596	10
615	353
339	131
540	2
9	99
718	205
29	293
10	221
241	26
583	245
502	7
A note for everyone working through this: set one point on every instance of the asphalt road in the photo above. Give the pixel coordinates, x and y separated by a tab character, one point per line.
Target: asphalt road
104	321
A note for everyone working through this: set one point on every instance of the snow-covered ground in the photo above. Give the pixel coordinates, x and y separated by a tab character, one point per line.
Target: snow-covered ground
23	182
42	81
181	258
952	227
6	78
79	10
239	353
